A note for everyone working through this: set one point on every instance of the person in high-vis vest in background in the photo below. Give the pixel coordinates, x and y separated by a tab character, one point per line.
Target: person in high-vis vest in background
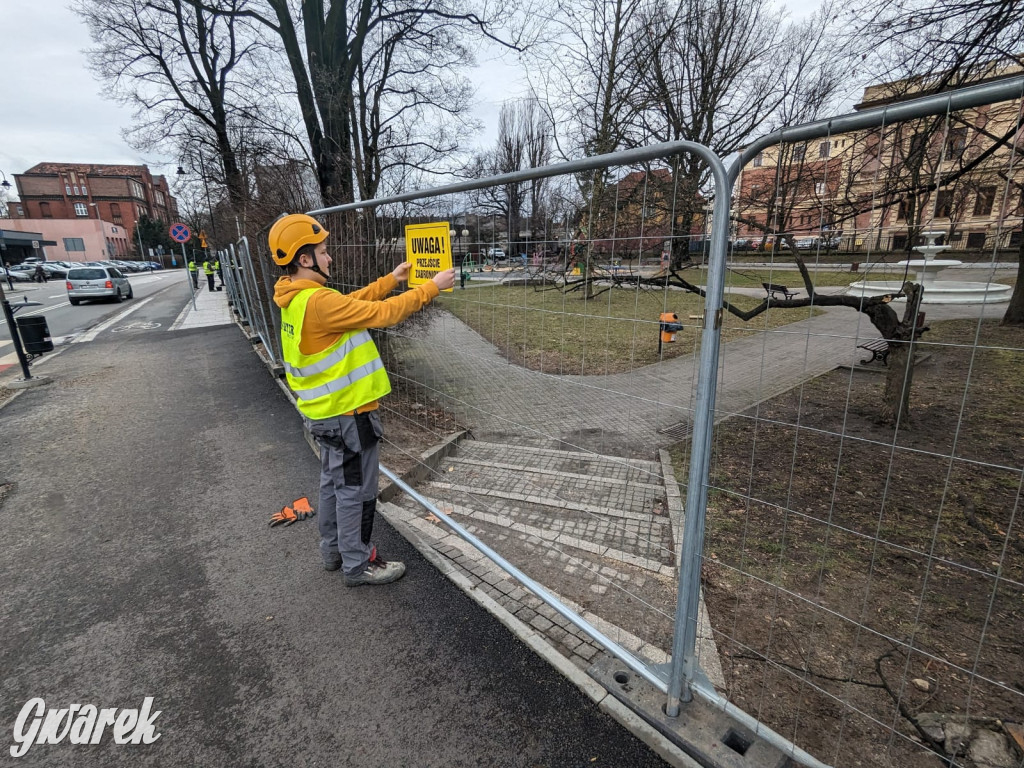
193	272
335	371
208	271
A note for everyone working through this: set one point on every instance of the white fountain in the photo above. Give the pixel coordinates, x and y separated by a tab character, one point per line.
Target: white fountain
936	291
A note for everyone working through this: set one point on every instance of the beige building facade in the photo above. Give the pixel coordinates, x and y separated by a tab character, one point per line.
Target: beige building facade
961	174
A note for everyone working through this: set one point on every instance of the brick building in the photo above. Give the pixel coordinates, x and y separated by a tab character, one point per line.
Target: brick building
875	189
115	194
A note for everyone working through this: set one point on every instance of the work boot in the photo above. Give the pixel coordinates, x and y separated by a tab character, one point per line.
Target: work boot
332	563
378	571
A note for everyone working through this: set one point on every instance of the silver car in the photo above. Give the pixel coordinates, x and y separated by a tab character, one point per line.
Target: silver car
97	283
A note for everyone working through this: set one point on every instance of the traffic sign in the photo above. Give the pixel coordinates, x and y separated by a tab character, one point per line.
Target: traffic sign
180	233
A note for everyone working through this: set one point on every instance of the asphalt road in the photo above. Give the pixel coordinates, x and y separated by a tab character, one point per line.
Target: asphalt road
65	320
136	561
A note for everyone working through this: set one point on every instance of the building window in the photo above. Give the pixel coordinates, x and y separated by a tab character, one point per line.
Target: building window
823	148
819	187
76	190
758	159
84	191
21	211
159	197
74	244
983	202
943	204
901	214
956	143
44	211
67	189
115	212
81	209
799	153
137	189
975	239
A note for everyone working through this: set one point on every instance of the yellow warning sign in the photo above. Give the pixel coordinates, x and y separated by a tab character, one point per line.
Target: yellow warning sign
428	249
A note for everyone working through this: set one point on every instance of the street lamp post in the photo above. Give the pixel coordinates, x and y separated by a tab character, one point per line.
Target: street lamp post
3	246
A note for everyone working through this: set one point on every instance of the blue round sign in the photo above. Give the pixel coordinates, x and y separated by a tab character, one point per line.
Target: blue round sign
180	233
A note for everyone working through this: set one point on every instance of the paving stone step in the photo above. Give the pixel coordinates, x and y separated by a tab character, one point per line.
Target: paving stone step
583	574
575	462
629	497
553	506
649	539
644	550
527	469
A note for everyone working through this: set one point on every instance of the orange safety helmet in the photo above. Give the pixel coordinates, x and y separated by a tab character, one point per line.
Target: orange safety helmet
291	232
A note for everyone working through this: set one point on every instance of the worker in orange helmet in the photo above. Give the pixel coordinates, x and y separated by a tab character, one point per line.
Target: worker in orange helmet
335	371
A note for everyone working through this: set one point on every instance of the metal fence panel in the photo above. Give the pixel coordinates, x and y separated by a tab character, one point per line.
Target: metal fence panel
861	575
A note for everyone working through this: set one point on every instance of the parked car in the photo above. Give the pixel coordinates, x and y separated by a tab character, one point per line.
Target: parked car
806	243
496	254
55	270
98	282
742	244
17	275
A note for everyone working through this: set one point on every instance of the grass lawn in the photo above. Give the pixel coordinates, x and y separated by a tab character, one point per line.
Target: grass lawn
546	330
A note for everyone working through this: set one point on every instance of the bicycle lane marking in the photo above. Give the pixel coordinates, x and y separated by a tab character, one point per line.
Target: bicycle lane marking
96	331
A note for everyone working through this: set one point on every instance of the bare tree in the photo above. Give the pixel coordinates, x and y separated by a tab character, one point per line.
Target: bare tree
178	63
364	81
523	141
719	72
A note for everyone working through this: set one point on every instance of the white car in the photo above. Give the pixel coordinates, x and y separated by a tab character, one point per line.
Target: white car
97	283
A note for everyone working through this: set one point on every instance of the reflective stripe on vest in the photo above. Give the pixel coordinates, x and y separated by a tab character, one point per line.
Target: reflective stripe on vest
357	339
335	385
340	379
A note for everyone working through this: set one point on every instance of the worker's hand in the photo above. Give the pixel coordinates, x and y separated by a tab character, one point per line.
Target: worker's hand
445	280
401	272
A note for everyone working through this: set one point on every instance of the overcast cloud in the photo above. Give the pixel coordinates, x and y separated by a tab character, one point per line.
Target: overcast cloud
53	110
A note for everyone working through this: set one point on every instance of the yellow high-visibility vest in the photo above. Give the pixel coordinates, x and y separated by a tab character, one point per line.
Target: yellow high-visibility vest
345	376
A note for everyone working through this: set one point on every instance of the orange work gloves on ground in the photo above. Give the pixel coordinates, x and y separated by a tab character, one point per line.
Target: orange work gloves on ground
299	510
302	508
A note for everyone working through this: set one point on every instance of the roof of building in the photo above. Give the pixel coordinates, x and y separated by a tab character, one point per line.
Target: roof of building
88	169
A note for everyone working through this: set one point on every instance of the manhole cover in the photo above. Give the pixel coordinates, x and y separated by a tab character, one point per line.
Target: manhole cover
679	431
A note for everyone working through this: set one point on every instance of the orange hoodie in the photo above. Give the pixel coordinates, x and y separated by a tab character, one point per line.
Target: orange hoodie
330	313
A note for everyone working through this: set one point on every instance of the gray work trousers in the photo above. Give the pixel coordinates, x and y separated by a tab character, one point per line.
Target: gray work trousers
348	487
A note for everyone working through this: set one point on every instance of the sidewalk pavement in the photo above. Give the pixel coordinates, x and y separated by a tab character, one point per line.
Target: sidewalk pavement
137	561
623	414
210	309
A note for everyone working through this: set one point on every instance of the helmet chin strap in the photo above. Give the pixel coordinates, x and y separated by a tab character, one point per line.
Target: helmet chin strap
316	268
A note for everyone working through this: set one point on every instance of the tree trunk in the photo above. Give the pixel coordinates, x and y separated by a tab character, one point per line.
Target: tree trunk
899	377
1015	311
896	398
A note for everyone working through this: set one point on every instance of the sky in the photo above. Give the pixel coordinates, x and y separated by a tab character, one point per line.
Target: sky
54	110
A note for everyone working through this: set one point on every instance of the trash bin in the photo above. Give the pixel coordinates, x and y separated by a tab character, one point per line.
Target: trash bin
35	335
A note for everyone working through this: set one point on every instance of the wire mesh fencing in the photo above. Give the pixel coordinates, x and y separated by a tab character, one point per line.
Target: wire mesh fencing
861	564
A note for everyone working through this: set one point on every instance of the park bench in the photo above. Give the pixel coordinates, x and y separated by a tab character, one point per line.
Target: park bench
879	349
774	288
